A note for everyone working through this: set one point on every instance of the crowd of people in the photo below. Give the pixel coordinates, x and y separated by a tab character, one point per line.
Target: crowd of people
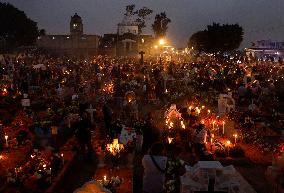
126	91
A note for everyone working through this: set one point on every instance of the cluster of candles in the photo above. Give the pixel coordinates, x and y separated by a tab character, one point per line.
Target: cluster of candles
108	88
114	148
198	109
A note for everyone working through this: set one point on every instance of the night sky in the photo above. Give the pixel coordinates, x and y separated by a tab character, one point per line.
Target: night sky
261	19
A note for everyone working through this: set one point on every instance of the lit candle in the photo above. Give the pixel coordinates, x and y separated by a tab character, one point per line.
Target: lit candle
182	124
208	111
223	127
105	178
50	175
62	155
6	138
213	124
235	135
16	172
228	143
170	140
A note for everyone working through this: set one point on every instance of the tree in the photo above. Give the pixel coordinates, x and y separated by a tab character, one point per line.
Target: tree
16	28
217	38
160	25
141	14
42	32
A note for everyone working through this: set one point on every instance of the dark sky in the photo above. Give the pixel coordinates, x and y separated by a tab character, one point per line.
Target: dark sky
261	19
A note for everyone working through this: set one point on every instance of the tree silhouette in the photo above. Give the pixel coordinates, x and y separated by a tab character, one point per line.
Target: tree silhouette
217	38
16	28
141	15
160	25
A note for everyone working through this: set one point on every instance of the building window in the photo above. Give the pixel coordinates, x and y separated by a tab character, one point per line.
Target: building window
75	25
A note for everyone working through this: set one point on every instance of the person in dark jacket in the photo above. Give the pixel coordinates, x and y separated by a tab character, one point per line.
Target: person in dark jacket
83	135
107	118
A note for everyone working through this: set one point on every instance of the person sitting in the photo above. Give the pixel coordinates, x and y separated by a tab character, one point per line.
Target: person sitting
154	165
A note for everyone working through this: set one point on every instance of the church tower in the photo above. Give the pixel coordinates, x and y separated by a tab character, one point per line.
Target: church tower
76	25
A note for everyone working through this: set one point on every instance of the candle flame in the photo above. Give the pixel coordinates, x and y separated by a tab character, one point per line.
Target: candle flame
114	148
170	140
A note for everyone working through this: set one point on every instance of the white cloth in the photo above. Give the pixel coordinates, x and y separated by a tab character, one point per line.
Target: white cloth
153	179
126	136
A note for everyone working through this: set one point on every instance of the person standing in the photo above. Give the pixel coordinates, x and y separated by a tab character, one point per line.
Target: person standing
154	165
107	118
83	135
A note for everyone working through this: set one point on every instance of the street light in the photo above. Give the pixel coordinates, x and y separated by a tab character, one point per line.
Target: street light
162	42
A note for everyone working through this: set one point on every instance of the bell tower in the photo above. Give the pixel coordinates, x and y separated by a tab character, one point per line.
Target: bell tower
76	25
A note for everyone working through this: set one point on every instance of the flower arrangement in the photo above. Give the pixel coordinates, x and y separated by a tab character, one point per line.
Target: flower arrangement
112	184
37	172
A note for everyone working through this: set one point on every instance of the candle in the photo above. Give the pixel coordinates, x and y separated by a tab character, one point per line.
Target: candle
105	178
228	143
62	158
223	127
170	140
208	111
213	124
182	124
50	175
16	172
235	135
6	138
